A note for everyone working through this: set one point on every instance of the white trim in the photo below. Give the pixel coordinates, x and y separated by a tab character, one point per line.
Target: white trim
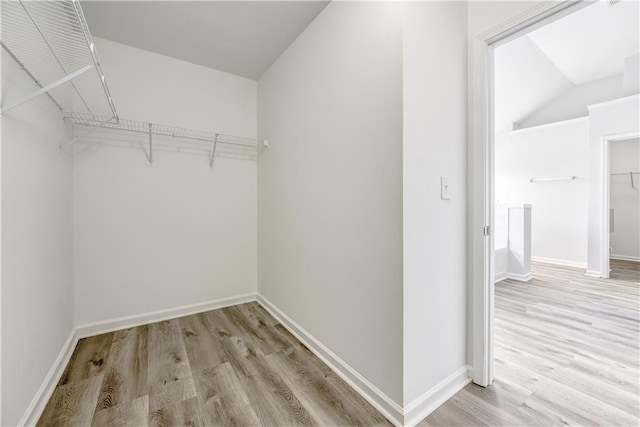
383	403
605	198
37	405
520	277
110	325
499	277
563	262
593	273
514	276
625	257
480	175
614	101
550	125
420	408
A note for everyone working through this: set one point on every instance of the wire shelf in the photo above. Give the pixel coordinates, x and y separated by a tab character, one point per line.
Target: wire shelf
211	142
51	41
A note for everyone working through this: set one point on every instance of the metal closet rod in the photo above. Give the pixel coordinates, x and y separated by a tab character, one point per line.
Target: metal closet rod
633	184
555	178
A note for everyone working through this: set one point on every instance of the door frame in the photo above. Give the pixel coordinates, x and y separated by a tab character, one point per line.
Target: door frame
605	197
481	175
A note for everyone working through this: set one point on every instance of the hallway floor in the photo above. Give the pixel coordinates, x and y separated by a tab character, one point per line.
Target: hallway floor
566	353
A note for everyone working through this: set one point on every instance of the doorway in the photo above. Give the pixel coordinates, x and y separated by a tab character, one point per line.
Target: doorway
622	176
482	180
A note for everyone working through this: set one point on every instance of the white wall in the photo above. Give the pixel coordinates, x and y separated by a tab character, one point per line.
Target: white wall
559	214
151	237
434	230
573	102
625	200
605	120
330	186
37	264
525	80
632	75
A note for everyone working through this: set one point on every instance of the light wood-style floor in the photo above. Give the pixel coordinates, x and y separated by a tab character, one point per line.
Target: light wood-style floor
233	366
566	353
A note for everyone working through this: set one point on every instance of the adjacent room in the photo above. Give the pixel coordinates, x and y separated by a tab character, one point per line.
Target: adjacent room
566	332
218	213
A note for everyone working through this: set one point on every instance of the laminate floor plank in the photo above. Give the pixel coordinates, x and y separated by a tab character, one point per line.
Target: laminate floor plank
72	404
566	353
200	342
223	399
126	376
235	366
274	402
251	330
131	414
88	360
180	413
310	387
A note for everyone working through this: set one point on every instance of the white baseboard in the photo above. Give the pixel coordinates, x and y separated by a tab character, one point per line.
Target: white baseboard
593	273
35	408
383	403
33	412
520	277
563	262
625	258
499	277
110	325
513	276
420	408
409	415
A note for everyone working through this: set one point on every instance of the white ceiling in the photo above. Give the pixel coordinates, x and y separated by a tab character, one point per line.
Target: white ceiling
588	45
525	80
239	37
591	43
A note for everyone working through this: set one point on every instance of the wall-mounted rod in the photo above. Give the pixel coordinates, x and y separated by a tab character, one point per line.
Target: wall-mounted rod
555	178
633	184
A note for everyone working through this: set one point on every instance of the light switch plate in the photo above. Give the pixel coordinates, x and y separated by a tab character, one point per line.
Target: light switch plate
444	188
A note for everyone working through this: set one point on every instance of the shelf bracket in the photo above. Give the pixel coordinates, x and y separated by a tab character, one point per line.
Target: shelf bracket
48	87
213	151
150	156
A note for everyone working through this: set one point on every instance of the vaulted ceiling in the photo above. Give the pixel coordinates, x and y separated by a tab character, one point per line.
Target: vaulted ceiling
591	43
567	56
239	37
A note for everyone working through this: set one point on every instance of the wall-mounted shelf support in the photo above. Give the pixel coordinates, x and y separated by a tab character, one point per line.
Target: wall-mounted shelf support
49	87
150	156
213	151
49	40
213	143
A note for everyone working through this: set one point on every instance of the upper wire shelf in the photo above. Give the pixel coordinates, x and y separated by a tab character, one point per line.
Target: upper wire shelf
51	42
211	142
